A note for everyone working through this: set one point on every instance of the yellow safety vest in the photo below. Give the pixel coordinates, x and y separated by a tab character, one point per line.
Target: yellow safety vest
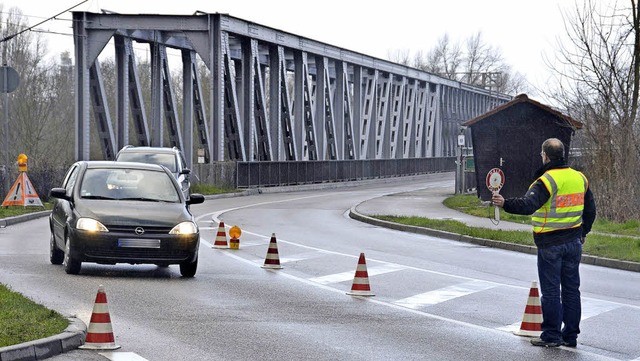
563	209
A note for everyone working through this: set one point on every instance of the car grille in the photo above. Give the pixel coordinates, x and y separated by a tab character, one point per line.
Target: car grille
136	253
131	229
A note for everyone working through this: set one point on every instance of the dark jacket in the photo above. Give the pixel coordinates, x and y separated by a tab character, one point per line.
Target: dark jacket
537	195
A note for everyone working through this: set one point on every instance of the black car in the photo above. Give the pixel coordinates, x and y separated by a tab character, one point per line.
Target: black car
121	212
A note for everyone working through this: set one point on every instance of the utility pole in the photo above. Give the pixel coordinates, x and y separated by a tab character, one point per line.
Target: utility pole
9	80
5	131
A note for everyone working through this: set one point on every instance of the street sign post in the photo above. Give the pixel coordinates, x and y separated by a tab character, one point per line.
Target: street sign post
9	81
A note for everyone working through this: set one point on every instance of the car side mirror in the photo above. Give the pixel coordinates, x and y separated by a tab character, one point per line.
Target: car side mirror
185	171
60	193
195	198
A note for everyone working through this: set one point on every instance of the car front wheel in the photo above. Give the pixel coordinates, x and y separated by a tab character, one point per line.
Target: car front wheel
56	256
188	269
71	265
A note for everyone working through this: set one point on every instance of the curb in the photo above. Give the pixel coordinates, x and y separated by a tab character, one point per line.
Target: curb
586	259
4	222
72	337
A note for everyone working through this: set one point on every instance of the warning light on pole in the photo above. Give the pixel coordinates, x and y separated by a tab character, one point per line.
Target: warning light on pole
234	234
22	162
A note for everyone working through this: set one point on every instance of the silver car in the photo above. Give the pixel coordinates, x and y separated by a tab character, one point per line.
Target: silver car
172	158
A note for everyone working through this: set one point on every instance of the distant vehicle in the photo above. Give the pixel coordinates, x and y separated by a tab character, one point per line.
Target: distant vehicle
122	212
172	158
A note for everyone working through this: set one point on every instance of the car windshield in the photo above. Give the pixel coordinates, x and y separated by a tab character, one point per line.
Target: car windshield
132	184
166	159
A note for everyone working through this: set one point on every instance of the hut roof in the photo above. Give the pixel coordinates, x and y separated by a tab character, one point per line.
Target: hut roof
523	98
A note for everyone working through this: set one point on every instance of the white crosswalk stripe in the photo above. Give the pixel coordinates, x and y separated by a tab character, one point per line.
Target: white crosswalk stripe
346	276
123	356
590	308
444	294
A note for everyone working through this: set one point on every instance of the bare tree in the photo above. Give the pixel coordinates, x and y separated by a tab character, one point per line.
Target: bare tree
598	72
473	62
39	121
399	56
445	58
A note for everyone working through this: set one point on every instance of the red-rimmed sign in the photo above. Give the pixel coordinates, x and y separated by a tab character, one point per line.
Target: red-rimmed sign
495	179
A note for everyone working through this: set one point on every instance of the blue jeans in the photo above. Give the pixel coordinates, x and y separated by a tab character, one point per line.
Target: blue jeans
558	270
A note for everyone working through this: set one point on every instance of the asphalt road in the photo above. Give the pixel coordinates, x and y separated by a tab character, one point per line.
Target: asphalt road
434	299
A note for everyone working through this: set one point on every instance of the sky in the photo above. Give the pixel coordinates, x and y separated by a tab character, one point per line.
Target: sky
524	31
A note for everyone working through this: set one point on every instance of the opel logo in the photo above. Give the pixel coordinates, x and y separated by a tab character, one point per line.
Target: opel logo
139	231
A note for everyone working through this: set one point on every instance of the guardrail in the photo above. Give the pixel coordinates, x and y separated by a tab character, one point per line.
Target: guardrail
269	174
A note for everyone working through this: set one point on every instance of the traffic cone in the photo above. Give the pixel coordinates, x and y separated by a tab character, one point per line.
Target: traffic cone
360	285
99	333
531	325
272	260
221	237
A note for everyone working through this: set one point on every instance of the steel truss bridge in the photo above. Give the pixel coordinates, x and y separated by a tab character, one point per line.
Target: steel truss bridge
273	96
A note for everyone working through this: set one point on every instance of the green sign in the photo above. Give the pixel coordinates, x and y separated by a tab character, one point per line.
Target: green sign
469	165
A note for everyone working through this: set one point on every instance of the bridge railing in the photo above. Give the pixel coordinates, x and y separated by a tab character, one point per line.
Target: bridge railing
269	174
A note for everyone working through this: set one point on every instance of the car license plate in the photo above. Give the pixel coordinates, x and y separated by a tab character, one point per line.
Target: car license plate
138	243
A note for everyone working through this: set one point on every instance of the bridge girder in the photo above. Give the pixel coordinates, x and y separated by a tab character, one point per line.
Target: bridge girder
272	95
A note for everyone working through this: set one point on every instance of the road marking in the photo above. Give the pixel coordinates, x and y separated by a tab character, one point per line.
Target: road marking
301	257
122	356
444	294
590	308
347	276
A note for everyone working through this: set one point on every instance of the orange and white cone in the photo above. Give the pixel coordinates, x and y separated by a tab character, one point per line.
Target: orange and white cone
272	260
360	285
99	333
531	325
221	237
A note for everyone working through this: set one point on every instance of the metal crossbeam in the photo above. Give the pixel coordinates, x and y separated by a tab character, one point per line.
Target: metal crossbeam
101	112
198	111
136	102
169	102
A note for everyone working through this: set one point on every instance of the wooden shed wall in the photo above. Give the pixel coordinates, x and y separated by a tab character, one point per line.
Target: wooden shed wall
514	135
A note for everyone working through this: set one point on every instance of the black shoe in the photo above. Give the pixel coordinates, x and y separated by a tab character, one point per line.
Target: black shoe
540	342
573	343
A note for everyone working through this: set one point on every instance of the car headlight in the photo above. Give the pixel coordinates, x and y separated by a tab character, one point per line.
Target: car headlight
88	224
185	228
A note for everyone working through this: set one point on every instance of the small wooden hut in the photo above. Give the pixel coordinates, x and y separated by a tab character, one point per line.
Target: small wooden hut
510	136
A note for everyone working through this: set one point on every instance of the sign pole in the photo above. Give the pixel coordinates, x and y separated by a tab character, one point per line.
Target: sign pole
5	107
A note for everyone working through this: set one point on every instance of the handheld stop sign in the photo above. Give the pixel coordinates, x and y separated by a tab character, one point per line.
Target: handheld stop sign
495	181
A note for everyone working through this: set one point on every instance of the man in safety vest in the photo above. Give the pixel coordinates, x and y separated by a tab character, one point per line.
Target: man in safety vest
562	211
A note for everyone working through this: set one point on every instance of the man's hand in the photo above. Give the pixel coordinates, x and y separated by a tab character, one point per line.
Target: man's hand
583	239
497	200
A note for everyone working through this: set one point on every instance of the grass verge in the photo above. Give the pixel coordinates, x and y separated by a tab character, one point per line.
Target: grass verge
23	320
12	211
608	239
207	189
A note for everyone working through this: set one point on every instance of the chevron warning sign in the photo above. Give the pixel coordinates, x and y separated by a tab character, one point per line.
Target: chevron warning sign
22	193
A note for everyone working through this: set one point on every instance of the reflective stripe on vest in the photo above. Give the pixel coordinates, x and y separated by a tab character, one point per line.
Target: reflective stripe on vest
563	209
